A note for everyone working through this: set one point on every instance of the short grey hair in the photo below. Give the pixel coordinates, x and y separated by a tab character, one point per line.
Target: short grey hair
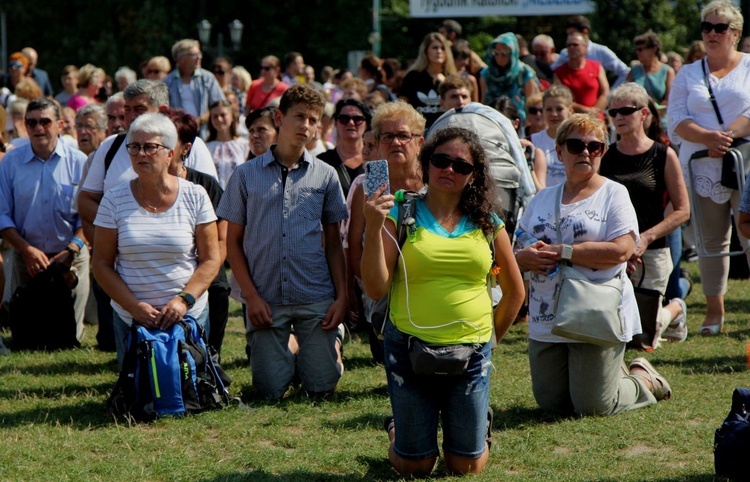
126	73
116	98
542	39
629	91
18	106
155	124
183	46
97	112
157	92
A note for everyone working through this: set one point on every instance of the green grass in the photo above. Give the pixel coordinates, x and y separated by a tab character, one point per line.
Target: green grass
53	422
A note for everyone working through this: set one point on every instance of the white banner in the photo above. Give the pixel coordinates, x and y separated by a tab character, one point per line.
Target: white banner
485	8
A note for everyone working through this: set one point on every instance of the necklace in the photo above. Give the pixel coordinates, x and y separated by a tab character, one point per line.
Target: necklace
148	206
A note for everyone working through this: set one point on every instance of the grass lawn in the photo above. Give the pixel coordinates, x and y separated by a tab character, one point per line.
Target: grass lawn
54	426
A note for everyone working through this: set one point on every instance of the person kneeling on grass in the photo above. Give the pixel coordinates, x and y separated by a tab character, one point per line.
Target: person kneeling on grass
439	298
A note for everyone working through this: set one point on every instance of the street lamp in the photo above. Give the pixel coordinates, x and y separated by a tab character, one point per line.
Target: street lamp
235	35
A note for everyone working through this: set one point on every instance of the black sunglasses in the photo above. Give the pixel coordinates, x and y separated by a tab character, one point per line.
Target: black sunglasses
344	119
623	111
535	110
32	123
577	146
719	28
460	166
219	71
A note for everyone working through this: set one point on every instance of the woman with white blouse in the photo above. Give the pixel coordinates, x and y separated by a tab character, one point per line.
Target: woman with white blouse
228	149
692	117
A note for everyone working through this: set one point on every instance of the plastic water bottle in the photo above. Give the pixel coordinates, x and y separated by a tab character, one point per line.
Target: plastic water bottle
524	239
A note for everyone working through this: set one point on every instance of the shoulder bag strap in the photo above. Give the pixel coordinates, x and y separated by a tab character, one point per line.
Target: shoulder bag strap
112	151
557	212
711	95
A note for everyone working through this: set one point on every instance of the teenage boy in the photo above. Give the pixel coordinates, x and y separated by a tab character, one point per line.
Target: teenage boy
278	206
455	91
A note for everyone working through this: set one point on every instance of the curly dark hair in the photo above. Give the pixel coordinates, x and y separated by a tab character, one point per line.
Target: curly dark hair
476	197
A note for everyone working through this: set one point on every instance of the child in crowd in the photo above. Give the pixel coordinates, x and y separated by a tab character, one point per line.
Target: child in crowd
558	105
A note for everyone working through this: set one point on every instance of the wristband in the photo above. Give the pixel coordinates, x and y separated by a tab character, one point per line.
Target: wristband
77	241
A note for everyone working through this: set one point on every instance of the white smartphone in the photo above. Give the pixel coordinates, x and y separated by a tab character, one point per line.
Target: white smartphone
376	174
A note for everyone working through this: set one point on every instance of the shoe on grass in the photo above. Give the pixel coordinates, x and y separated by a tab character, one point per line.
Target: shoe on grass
677	331
659	385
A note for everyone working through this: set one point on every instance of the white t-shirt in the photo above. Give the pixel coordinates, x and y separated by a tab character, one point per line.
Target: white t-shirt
555	168
605	215
227	156
156	252
121	169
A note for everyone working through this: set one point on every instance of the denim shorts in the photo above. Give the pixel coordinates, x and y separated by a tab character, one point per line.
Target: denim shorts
461	402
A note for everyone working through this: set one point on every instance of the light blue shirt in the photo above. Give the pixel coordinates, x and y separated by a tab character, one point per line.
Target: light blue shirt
602	54
205	88
36	196
284	225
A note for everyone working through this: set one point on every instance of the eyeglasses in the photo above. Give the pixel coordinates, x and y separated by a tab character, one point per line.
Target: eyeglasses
719	28
623	110
44	122
15	65
81	127
345	119
577	146
535	110
499	53
219	71
402	137
192	56
149	148
153	71
459	166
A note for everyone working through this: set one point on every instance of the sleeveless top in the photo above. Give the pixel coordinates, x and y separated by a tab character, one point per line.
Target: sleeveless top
655	84
643	176
583	83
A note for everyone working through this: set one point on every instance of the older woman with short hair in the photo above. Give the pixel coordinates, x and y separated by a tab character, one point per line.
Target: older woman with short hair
599	230
157	68
156	241
262	130
652	174
695	121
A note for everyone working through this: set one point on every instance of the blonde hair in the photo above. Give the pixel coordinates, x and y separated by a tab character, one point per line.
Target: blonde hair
629	91
87	72
449	67
558	91
583	123
27	89
160	62
245	78
398	110
722	8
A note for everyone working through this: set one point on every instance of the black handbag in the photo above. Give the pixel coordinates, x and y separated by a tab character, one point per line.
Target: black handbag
649	304
732	439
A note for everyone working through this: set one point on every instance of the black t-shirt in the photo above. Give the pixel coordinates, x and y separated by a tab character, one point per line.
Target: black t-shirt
643	176
214	190
346	174
421	91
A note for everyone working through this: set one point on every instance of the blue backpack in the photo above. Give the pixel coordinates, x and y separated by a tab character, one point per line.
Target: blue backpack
168	373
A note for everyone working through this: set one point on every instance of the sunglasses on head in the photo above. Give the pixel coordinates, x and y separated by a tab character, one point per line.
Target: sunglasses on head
623	110
459	166
577	146
535	110
719	28
358	119
44	122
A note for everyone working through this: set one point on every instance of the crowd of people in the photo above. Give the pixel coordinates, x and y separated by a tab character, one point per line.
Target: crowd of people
170	193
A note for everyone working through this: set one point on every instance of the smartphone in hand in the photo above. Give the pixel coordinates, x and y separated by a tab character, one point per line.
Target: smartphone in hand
376	174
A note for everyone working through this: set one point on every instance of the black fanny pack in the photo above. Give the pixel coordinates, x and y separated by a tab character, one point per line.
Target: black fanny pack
427	359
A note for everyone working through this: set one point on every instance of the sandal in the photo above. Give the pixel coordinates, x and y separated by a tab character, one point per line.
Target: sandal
659	385
712	330
677	331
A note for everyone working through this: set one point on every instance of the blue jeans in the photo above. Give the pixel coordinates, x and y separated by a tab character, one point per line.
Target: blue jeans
461	402
122	330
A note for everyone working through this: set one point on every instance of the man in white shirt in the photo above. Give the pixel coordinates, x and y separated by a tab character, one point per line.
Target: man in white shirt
601	53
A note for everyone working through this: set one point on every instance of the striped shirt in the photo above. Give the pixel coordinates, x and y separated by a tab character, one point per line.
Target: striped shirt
156	252
283	225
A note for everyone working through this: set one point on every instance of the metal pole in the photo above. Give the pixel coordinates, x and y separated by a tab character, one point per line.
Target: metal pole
376	26
220	47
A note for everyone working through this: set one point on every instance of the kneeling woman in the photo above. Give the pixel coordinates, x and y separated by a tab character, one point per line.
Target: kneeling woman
156	247
440	297
599	231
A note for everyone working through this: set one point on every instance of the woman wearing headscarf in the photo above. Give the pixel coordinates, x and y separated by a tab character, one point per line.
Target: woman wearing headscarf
506	75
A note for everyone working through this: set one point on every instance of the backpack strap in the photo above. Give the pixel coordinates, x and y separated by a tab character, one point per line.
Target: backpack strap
112	151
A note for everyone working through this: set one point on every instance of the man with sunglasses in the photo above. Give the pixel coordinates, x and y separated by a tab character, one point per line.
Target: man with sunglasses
37	217
594	51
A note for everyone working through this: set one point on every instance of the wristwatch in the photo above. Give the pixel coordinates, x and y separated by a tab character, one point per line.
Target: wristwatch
567	252
187	298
